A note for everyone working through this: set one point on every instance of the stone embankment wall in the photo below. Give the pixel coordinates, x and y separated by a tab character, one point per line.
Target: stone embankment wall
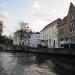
55	50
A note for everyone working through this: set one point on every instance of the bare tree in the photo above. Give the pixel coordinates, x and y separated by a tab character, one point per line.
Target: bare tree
25	32
1	27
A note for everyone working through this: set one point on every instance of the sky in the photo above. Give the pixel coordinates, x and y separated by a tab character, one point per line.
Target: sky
37	13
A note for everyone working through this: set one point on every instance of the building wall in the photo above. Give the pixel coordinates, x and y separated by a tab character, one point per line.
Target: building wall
35	40
51	35
68	25
71	22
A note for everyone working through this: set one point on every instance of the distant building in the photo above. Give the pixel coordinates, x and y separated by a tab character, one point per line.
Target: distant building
35	39
49	34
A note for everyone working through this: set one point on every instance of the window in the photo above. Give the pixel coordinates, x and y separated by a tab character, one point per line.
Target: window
50	42
54	43
61	31
72	26
72	38
72	17
61	39
66	38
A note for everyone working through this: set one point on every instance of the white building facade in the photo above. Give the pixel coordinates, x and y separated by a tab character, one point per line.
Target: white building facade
50	34
35	40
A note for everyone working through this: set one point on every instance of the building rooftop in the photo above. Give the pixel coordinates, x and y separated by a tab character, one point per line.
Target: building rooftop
50	24
59	20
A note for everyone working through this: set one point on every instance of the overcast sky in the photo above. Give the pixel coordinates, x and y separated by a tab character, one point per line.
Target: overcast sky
38	13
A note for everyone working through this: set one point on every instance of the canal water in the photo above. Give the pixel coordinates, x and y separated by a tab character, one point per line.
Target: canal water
25	64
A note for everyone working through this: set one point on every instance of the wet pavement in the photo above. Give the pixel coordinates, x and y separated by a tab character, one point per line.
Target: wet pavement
24	64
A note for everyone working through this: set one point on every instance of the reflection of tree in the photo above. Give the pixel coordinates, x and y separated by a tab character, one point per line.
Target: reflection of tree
2	70
24	59
42	58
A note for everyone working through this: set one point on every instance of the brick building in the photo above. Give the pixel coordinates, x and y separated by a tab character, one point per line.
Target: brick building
66	28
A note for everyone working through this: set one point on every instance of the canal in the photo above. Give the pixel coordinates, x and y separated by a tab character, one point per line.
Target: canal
27	64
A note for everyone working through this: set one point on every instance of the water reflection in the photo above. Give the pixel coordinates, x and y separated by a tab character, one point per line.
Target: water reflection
24	64
7	62
25	59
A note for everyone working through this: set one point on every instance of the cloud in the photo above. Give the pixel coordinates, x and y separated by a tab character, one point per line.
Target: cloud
37	25
40	14
4	15
37	11
54	10
35	7
35	4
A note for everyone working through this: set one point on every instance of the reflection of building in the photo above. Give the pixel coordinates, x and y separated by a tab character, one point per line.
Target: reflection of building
67	27
50	34
1	27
